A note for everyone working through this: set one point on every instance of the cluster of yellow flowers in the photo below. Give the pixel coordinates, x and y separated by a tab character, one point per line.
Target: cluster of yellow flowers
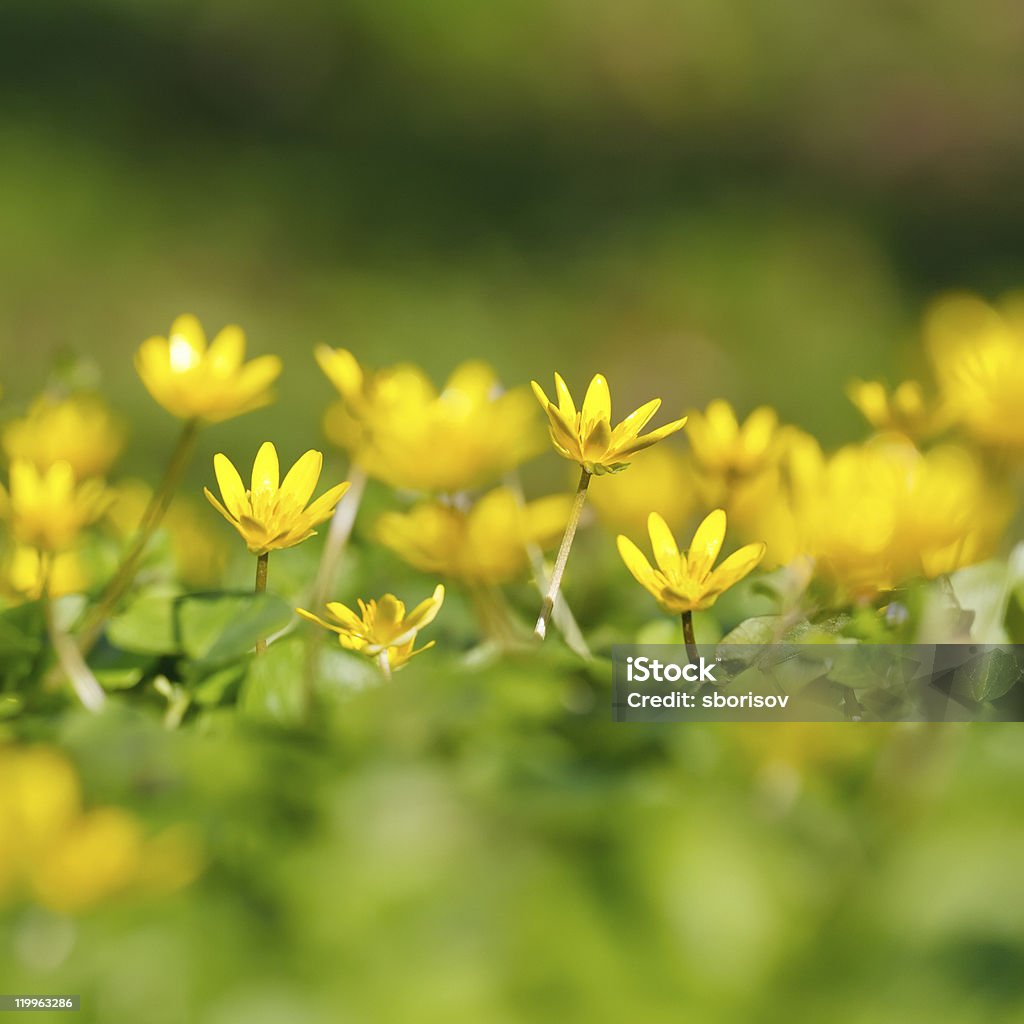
902	504
68	858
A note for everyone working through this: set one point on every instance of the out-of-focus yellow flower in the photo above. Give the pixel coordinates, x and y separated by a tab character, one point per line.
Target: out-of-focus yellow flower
485	545
401	430
588	438
273	513
904	410
687	581
193	381
199	556
70	859
47	510
78	430
978	355
725	448
877	514
381	626
25	572
659	481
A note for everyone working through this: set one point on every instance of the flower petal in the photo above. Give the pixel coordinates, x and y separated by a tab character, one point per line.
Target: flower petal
301	479
226	351
426	611
566	406
736	566
324	505
706	544
597	405
637	564
635	422
666	551
646	440
266	470
232	489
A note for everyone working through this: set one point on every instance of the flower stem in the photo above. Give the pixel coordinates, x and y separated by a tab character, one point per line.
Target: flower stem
72	664
384	664
337	536
554	585
151	519
262	565
689	639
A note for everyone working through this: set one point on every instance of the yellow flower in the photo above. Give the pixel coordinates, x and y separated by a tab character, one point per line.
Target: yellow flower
659	480
401	430
904	410
199	556
193	381
381	626
47	510
978	356
70	859
687	582
877	514
24	575
486	544
588	438
273	514
723	447
78	430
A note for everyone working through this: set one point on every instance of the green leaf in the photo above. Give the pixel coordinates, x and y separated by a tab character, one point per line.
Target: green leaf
989	676
272	690
147	626
760	629
217	628
22	629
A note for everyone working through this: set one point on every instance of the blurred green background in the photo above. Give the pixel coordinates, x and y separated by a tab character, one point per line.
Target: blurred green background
698	199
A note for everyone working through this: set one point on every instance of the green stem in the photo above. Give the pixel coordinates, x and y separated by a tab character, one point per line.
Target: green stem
555	583
689	639
262	565
151	519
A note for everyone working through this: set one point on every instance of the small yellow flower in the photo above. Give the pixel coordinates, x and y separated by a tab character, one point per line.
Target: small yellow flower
401	430
588	438
978	356
193	381
486	544
724	447
381	627
273	514
25	572
904	410
687	582
78	430
47	510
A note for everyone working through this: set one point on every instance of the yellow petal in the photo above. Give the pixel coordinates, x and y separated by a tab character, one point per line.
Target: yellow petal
637	564
341	369
324	505
706	544
539	393
635	422
597	404
345	616
316	618
187	328
227	351
426	611
232	489
646	440
564	435
566	406
266	471
666	551
736	566
300	480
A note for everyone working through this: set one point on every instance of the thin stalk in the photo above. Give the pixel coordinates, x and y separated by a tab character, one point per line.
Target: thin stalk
384	664
689	639
338	534
151	519
69	658
555	583
262	565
